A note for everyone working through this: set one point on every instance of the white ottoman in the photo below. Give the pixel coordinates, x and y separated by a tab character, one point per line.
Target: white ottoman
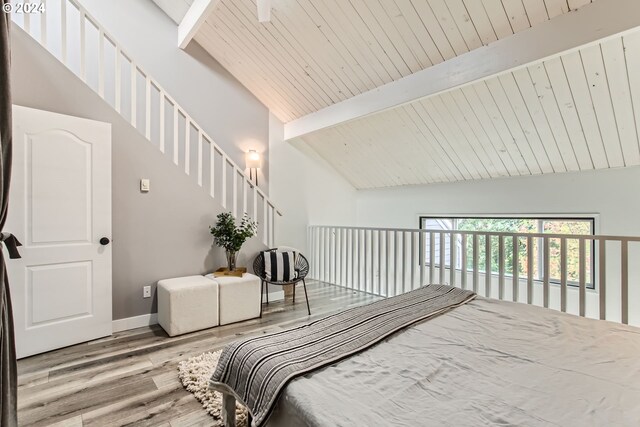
187	304
239	297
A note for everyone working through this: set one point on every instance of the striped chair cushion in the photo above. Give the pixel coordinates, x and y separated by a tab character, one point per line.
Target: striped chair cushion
279	266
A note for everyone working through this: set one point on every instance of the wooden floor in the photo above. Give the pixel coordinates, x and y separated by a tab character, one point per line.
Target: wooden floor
131	378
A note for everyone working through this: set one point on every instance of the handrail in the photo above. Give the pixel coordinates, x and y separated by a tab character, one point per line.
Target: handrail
495	233
390	261
241	184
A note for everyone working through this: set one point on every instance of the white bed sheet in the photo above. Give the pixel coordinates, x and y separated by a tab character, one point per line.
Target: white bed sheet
486	363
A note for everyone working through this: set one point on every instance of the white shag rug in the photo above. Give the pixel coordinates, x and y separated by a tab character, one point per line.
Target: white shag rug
194	373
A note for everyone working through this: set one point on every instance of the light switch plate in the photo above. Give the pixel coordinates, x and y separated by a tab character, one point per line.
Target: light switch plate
145	185
146	292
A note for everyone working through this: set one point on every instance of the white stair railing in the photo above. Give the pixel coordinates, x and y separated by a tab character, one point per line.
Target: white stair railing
592	275
71	34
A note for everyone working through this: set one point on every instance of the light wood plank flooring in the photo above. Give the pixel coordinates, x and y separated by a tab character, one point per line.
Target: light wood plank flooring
131	378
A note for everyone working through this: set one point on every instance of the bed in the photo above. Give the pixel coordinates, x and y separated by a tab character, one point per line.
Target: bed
481	362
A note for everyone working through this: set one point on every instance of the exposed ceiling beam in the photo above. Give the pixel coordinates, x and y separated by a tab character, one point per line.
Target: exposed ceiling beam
195	17
591	23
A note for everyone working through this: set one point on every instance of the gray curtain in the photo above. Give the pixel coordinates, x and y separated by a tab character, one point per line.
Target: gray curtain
8	369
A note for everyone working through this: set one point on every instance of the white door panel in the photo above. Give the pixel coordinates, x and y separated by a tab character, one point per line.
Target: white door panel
60	208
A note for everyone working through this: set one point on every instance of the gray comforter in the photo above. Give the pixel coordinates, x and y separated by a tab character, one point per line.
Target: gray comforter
485	363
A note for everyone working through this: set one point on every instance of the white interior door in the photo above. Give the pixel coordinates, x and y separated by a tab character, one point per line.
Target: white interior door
60	209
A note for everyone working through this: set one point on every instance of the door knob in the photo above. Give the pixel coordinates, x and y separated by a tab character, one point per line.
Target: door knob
104	241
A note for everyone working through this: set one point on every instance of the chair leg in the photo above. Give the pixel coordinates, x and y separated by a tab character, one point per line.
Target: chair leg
304	284
261	295
294	293
266	288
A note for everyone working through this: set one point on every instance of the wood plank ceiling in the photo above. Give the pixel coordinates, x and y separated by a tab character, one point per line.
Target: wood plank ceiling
315	53
580	111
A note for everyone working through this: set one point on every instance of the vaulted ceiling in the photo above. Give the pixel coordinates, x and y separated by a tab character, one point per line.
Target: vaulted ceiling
575	112
315	53
572	112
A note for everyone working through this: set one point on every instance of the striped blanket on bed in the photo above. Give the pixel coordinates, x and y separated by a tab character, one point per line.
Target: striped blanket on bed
255	370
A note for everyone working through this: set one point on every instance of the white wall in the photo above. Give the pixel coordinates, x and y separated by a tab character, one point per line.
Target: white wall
306	189
613	194
155	235
225	109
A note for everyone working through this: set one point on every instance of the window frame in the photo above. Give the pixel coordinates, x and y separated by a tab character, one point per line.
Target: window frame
593	218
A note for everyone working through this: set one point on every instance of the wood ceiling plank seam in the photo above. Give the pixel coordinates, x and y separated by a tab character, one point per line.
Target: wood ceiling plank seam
631	43
361	136
324	86
423	155
541	130
282	78
449	26
464	22
525	122
593	64
261	50
443	153
429	125
215	40
446	145
215	46
390	30
516	14
463	133
354	43
556	7
318	144
566	105
377	34
425	50
577	4
426	143
508	114
480	95
498	18
396	152
481	22
300	34
355	150
319	46
536	11
492	134
373	46
446	125
553	117
256	82
432	27
572	66
419	31
615	68
289	57
346	57
479	133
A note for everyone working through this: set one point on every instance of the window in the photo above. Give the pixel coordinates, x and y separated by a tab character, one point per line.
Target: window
523	225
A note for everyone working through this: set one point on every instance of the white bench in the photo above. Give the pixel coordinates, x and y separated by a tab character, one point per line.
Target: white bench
239	297
188	304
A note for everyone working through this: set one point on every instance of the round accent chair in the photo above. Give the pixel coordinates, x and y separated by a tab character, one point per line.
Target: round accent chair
301	268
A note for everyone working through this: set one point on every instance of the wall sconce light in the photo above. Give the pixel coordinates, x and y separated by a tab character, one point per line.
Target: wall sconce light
253	164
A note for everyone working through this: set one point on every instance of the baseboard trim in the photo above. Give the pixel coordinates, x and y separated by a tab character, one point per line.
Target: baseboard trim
152	319
134	322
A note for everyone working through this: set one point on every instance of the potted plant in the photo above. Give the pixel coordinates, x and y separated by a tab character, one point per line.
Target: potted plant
231	237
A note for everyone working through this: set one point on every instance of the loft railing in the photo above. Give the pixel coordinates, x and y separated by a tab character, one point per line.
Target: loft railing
592	273
70	33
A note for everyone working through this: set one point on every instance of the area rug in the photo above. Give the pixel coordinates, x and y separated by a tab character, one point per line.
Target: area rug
194	373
